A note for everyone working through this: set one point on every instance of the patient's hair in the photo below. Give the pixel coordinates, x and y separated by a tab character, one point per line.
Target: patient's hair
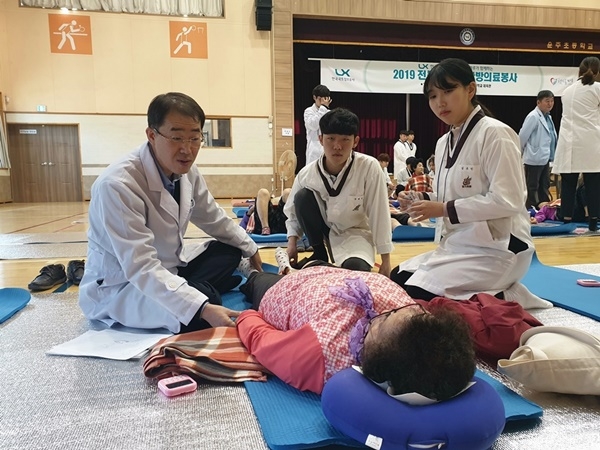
339	121
432	354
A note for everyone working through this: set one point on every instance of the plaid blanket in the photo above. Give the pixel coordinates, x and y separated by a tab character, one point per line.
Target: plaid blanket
215	354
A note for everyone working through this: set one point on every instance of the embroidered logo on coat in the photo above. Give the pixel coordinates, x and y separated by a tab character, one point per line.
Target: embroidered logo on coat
466	182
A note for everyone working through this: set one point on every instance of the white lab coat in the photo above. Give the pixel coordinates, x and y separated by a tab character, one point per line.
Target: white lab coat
359	217
578	148
486	186
312	115
401	152
136	244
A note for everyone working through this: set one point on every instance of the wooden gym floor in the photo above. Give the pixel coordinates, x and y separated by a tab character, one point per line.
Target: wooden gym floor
32	218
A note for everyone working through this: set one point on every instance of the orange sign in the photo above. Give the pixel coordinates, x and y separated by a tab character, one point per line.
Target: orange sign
188	39
70	34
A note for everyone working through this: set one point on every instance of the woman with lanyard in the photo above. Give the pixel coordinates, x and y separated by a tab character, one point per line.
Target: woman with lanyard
482	227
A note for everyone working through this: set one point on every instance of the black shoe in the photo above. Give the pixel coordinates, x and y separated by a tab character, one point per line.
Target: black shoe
49	276
75	271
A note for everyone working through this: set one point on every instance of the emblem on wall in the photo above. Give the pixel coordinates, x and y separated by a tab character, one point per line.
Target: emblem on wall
467	36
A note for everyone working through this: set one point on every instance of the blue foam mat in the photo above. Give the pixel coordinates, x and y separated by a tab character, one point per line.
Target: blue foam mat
291	419
266	238
552	227
12	300
560	287
239	211
409	233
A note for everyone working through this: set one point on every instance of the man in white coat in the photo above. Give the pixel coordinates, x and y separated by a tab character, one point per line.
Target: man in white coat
538	144
139	272
340	199
312	115
402	152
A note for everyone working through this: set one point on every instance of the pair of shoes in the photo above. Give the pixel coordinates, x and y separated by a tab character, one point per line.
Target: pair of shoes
283	261
245	267
49	276
265	231
303	245
75	271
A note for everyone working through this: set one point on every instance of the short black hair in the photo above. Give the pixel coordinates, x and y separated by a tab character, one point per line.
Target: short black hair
404	132
163	104
340	121
321	90
545	94
412	161
432	354
409	132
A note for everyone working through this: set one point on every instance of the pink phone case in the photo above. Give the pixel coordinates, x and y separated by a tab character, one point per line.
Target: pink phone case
177	385
588	283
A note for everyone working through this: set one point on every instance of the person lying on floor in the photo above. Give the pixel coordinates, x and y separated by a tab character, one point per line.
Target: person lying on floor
340	199
551	210
264	217
482	226
310	324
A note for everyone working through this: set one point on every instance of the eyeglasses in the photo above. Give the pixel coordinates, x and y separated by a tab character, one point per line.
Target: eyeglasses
195	142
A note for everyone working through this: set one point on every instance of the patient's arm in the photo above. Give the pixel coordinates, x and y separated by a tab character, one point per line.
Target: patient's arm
295	356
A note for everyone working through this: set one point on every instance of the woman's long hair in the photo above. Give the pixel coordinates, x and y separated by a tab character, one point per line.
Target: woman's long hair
588	70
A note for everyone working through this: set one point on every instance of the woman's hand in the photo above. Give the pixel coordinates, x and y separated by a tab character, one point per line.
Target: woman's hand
425	209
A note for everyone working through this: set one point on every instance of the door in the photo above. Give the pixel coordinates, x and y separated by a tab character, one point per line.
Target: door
46	163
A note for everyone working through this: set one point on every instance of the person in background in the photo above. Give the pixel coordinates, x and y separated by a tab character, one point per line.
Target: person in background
577	150
419	181
538	144
431	167
406	173
322	99
410	138
401	153
140	272
384	161
482	225
264	217
341	202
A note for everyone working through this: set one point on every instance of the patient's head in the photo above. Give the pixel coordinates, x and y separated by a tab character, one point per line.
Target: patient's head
418	351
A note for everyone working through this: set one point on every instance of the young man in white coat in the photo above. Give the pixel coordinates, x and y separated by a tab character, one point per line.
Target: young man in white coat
402	152
312	115
139	272
538	144
341	200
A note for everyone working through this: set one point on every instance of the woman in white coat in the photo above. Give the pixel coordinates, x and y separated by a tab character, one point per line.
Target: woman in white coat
578	148
482	227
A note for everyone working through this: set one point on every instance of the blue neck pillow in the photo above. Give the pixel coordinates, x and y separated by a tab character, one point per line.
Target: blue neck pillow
360	409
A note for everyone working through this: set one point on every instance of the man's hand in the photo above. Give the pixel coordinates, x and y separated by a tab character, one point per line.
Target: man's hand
325	101
386	266
292	250
256	261
219	316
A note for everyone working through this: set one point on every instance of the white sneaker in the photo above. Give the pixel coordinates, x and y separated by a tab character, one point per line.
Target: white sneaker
245	267
283	261
520	294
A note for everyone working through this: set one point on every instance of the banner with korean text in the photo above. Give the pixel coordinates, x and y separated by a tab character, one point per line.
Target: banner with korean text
405	77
